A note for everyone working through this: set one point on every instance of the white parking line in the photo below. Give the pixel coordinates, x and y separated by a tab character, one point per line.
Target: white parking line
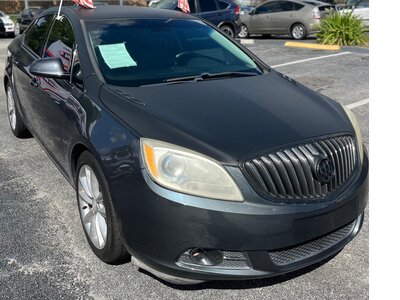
357	104
247	41
310	59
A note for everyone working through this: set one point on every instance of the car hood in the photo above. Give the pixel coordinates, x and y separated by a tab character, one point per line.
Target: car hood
227	119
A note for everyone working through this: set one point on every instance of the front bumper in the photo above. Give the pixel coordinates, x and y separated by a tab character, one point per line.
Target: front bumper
161	226
9	28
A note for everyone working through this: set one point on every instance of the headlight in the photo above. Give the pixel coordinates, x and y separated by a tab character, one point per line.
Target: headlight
357	130
188	172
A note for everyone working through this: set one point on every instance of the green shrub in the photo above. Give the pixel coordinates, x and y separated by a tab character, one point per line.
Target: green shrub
342	29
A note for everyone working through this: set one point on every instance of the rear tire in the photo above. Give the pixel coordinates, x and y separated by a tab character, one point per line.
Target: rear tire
228	30
97	213
298	31
17	125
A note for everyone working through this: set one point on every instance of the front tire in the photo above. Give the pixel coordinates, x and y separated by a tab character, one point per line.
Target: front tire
97	212
298	31
244	32
17	125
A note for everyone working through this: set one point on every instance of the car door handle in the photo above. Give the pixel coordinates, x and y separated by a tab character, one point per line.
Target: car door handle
34	82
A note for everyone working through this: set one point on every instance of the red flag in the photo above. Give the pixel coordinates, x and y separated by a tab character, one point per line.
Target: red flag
84	3
184	6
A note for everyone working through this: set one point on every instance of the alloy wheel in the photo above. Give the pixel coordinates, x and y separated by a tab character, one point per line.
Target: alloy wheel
243	32
91	206
12	115
298	32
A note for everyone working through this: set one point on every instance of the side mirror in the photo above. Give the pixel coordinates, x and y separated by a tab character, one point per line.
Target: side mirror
49	67
252	12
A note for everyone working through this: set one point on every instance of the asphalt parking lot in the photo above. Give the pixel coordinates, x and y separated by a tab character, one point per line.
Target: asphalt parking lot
43	251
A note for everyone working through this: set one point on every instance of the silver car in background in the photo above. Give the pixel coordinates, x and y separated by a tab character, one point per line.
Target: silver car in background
359	8
296	18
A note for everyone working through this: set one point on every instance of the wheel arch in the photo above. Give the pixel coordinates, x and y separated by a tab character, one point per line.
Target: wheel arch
76	152
227	23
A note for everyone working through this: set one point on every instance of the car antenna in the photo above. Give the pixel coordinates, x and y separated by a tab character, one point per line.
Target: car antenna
59	10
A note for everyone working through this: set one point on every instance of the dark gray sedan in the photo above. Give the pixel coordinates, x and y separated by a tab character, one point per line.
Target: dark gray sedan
188	154
296	18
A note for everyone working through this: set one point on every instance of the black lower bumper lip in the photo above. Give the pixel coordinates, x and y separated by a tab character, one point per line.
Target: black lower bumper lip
162	228
263	264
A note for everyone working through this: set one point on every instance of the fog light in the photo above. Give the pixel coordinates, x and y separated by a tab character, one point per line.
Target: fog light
210	260
206	257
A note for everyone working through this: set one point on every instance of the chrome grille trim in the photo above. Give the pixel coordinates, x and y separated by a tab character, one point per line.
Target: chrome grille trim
288	173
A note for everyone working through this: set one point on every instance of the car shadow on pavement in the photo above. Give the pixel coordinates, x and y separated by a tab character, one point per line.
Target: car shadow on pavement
243	284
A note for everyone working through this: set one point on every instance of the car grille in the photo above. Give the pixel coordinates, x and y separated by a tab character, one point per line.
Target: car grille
292	255
291	173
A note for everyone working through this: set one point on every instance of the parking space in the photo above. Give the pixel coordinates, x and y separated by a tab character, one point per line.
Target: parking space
43	252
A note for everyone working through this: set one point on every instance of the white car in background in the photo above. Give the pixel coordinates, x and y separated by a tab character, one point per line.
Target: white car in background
7	27
359	8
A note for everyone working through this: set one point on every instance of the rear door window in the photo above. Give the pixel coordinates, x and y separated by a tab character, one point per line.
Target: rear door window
36	35
266	8
222	4
207	5
282	6
297	6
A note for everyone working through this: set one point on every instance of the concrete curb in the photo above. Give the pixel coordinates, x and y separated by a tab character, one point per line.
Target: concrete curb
312	46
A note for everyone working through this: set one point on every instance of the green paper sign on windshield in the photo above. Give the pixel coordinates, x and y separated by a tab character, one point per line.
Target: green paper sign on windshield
116	56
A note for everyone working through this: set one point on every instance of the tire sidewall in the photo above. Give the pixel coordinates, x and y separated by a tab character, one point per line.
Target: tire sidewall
19	129
8	86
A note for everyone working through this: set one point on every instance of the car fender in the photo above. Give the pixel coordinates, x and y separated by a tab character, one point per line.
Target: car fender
229	23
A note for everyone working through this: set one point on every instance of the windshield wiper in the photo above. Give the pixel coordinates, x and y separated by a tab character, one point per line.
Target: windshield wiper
205	76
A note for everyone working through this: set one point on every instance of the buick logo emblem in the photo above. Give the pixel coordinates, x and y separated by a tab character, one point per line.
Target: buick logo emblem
324	170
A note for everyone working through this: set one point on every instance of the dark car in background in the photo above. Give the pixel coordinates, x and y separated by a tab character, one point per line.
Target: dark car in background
26	17
7	27
296	18
186	151
222	13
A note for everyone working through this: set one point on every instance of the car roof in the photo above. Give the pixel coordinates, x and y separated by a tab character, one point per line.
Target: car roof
117	12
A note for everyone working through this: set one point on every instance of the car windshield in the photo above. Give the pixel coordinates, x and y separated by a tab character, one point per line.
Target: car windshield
138	52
